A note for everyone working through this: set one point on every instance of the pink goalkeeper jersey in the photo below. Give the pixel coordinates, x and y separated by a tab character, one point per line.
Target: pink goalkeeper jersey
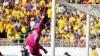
34	37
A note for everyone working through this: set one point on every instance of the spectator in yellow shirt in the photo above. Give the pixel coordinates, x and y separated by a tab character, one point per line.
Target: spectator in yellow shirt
49	11
23	29
42	2
61	22
93	51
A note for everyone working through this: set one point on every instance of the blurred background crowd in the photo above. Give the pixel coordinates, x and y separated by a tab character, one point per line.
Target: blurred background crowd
71	25
18	17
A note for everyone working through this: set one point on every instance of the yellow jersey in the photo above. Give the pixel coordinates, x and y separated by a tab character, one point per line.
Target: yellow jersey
49	12
94	53
42	2
23	29
18	35
91	1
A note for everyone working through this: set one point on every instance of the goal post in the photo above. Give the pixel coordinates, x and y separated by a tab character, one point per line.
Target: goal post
87	34
53	24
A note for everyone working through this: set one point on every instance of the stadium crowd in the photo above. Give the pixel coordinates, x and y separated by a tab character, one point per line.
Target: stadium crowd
82	1
71	25
18	17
